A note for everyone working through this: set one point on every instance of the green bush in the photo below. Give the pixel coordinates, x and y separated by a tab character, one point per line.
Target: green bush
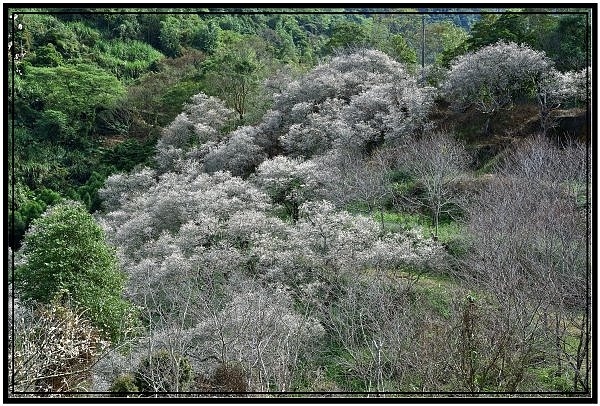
65	250
127	60
47	55
124	384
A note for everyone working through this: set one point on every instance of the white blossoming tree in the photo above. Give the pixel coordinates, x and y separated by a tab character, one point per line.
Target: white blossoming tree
200	122
355	101
491	78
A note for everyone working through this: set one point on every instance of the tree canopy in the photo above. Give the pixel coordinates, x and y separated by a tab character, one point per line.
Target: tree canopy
64	253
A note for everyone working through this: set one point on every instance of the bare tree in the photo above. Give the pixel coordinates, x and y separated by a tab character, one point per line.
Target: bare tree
528	255
389	337
260	331
365	181
436	161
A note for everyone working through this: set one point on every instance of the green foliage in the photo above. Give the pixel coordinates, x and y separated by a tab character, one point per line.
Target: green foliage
78	91
156	98
48	196
55	125
401	51
64	250
124	384
181	31
125	26
484	32
28	205
449	54
510	27
334	369
170	36
348	34
445	39
285	49
438	299
164	372
174	98
206	37
126	155
86	35
551	379
448	233
234	73
88	193
126	60
463	21
150	28
74	89
567	43
47	55
561	37
395	221
32	209
43	29
17	226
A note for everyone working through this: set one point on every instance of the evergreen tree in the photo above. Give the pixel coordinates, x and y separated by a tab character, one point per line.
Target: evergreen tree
64	251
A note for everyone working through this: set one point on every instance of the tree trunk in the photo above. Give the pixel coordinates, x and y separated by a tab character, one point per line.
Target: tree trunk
436	222
487	127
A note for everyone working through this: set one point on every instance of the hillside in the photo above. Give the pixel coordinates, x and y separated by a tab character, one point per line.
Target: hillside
251	203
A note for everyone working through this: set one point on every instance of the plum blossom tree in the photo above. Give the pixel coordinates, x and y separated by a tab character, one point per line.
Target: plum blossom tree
175	200
555	89
200	122
343	242
490	78
119	188
239	154
369	98
259	330
185	243
55	348
218	277
387	112
289	181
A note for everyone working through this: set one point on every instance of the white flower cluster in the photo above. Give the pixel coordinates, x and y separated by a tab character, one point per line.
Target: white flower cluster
349	102
491	77
199	123
54	349
211	267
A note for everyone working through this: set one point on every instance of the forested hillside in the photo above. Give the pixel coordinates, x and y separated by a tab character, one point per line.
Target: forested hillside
357	201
